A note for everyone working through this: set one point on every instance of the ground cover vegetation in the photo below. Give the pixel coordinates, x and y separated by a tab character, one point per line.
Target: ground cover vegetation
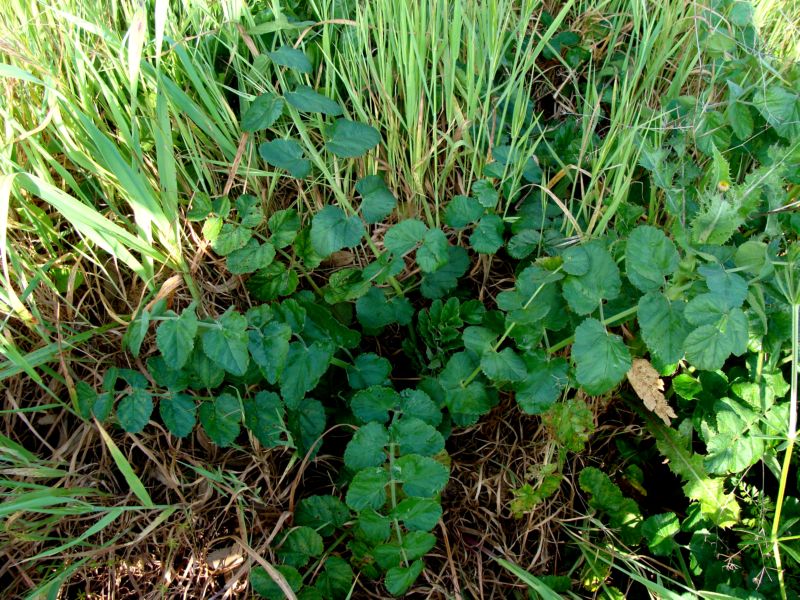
447	299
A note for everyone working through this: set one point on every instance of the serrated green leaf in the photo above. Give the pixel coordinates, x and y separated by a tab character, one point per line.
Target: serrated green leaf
601	281
179	413
718	335
336	580
730	444
544	381
606	497
479	339
523	243
462	211
265	586
373	527
445	278
264	110
368	369
175	380
716	222
420	405
175	337
404	236
231	237
601	358
250	212
305	365
368	489
269	348
730	289
305	99
252	257
307	423
418	514
287	155
204	372
201	207
332	230
137	330
659	530
325	514
375	311
351	139
374	404
421	476
367	448
272	282
221	419
378	202
415	436
286	56
780	108
283	227
650	257
226	343
485	193
664	328
264	415
488	235
399	579
300	545
740	119
433	253
134	410
503	366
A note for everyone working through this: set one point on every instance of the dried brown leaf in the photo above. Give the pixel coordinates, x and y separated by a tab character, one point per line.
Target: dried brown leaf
650	388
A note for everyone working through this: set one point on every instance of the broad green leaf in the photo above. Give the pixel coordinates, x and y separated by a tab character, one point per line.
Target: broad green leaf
226	343
606	497
733	441
305	99
415	436
269	349
221	419
415	544
373	527
422	476
136	332
265	586
445	278
466	403
375	311
332	230
740	118
485	193
377	201
650	257
399	579
305	365
664	328
418	514
368	489
367	448
201	207
601	358
503	366
543	383
179	413
231	237
307	423
252	257
368	369
780	108
659	530
324	513
250	212
299	546
434	251
272	282
262	113
204	372
283	227
336	580
462	211
264	415
374	404
175	337
730	289
488	235
479	339
418	404
719	332
601	281
523	243
286	56
351	139
134	410
287	155
404	236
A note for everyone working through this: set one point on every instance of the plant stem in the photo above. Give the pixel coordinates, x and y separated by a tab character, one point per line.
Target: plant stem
617	317
787	458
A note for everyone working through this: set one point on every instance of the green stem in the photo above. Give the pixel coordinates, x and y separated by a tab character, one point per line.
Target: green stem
617	317
787	457
340	363
393	493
